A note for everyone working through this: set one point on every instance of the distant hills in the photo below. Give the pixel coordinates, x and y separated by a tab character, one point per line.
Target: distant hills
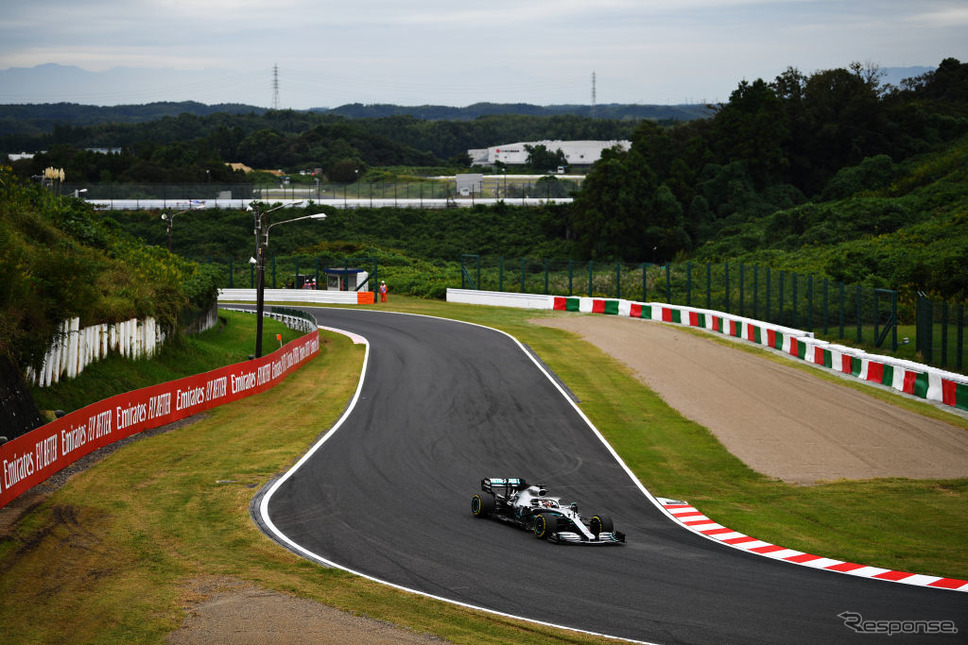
18	116
38	118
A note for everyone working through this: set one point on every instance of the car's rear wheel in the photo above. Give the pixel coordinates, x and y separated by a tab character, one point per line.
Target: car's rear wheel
601	524
482	505
545	525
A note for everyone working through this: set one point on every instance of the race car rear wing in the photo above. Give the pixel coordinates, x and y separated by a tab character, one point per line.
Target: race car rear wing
503	486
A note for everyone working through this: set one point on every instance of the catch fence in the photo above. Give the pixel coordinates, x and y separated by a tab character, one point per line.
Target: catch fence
850	313
360	193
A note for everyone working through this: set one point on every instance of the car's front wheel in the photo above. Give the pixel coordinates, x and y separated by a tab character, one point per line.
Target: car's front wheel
601	524
482	505
545	525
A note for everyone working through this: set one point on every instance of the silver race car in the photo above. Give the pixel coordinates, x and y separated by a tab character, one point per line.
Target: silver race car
514	501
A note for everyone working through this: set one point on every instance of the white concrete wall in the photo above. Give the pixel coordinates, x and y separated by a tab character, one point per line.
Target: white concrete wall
75	348
320	296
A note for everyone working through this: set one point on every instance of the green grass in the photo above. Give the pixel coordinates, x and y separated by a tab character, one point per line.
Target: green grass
112	555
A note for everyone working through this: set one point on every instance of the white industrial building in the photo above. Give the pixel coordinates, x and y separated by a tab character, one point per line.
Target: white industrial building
577	153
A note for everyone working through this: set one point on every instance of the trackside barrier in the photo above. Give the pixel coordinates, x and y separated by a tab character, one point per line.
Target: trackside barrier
33	457
909	377
75	347
303	323
299	295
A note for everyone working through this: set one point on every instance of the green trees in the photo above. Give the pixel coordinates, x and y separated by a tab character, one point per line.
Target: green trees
541	159
771	147
623	211
751	129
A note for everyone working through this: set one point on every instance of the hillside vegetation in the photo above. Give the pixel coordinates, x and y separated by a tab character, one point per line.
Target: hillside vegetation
901	227
798	141
60	260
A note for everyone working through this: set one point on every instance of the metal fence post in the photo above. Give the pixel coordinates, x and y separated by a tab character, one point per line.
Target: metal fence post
780	315
944	334
809	303
959	353
756	289
645	288
924	341
826	310
742	289
709	286
769	286
668	268
843	315
688	284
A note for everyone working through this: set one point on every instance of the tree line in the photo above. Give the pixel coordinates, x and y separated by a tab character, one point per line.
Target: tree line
189	148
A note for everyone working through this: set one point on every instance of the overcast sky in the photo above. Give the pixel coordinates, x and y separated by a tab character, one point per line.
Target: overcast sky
458	53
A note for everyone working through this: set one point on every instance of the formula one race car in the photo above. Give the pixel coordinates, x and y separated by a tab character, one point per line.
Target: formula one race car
514	501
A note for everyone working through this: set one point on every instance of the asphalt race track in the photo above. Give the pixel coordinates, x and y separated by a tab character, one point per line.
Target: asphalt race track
443	404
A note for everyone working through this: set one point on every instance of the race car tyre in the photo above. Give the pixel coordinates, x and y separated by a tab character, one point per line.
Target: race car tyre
600	524
545	525
482	505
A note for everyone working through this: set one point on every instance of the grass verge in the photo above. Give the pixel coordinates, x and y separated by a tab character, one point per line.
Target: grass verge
110	556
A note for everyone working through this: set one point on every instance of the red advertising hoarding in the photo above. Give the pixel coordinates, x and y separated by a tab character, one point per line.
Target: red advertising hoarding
33	457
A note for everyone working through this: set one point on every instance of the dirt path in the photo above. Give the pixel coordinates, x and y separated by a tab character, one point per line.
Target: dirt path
781	421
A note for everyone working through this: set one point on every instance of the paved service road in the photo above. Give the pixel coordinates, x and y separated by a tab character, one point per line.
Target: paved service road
444	404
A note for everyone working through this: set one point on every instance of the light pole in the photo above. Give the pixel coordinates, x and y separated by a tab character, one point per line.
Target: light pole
262	228
169	218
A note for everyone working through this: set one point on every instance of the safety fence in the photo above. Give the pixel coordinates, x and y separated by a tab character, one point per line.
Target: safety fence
35	456
360	193
940	335
916	328
912	378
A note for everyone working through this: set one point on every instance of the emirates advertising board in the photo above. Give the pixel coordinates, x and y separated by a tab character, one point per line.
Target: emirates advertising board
33	457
